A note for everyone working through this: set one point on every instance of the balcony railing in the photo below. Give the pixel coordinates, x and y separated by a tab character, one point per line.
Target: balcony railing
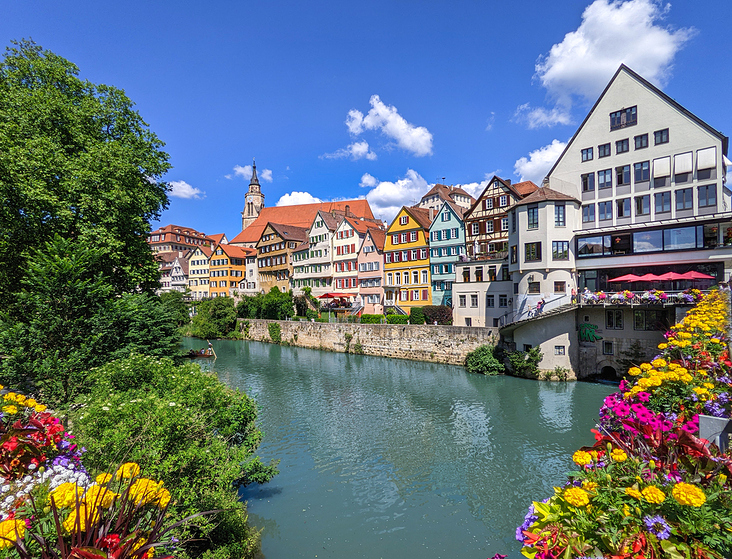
650	297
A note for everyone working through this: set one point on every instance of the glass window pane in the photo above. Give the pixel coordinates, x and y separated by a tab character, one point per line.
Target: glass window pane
679	238
648	241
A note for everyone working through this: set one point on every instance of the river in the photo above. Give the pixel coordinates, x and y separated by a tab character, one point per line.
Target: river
393	459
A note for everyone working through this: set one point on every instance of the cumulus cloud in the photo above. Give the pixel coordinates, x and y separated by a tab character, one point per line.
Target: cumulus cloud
474	188
356	150
386	198
536	166
245	172
295	198
385	119
612	32
181	189
489	122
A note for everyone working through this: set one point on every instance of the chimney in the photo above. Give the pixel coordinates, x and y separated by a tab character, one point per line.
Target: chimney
508	182
348	210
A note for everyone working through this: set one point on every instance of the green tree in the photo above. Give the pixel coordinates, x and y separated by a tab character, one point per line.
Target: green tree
483	361
65	321
215	318
76	160
175	302
278	305
526	363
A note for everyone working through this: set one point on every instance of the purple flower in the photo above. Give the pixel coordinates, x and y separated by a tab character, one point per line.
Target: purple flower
637	408
657	526
643	396
713	408
529	519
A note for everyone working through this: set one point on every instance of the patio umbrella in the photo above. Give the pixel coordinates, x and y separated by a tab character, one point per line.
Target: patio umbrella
626	278
693	275
335	295
649	277
671	276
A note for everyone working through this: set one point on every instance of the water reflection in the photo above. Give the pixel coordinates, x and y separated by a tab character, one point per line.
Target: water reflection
391	458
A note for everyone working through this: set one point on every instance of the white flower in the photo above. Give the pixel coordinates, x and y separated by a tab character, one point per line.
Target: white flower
105	408
171	404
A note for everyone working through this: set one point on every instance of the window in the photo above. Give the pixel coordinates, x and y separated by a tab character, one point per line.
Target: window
642	171
415	276
560	287
503	201
504	224
488	204
605	210
513	222
660	136
588	182
603	150
605	179
490	301
503	301
446	216
623	207
413	236
708	195
663	202
623	118
560	250
649	320
514	255
587	154
607	348
533	216
641	141
476	228
404	220
533	252
643	205
395	239
461	300
468	321
614	320
473	300
684	199
559	350
534	287
621	146
588	213
622	175
489	227
424	276
560	215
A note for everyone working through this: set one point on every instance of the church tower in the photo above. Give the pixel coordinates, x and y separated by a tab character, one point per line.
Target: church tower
254	201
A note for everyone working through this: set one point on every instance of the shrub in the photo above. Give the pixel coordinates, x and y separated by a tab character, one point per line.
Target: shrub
275	332
371	318
417	316
440	313
484	362
397	319
310	314
526	363
215	318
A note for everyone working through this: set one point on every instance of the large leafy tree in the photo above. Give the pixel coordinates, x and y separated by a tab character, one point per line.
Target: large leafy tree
76	160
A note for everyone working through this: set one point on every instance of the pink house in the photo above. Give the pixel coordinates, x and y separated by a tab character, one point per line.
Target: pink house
371	272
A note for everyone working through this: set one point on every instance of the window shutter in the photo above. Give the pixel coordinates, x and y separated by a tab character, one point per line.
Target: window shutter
683	163
706	158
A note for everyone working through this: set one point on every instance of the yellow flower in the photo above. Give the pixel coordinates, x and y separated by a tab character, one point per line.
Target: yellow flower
634	371
10	531
145	491
654	495
658	363
581	458
79	515
618	454
128	470
626	510
589	485
722	479
688	494
65	495
30	403
576	496
633	492
40	408
662	346
10	410
714	340
103	478
163	497
98	496
645	367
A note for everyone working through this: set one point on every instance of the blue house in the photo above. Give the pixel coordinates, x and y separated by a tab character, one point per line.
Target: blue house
447	247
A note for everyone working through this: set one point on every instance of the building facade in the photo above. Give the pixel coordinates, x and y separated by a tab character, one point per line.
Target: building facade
447	249
253	200
227	268
274	255
371	272
198	272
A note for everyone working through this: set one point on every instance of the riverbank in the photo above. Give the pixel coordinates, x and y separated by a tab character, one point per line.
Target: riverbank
436	344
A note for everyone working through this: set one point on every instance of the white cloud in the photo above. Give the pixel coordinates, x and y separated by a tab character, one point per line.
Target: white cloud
367	181
474	188
538	117
386	198
537	165
354	122
295	198
245	172
489	122
356	150
612	32
181	189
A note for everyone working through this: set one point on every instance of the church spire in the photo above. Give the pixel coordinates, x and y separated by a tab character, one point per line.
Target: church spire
254	180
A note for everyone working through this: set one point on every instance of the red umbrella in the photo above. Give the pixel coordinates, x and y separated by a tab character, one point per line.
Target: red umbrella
671	276
336	295
626	278
649	277
695	275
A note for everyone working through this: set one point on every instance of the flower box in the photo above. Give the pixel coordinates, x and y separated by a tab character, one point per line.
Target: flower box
716	430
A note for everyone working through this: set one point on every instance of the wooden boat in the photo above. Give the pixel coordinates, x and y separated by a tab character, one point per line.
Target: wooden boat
201	354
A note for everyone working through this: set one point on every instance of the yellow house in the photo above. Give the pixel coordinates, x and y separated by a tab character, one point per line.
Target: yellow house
227	267
406	259
198	272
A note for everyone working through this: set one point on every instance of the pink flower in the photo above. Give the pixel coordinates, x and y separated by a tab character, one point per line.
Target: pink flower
643	396
621	409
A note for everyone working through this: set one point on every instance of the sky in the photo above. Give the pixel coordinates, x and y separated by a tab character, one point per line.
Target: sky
377	99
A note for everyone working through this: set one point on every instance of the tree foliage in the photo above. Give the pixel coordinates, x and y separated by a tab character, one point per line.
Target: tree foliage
526	363
215	318
175	302
76	160
438	313
275	305
483	361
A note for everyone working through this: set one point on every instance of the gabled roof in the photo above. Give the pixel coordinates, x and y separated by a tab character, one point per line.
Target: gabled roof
331	219
301	215
290	232
420	215
519	190
524	188
218	238
207	250
446	192
183	263
623	68
238	252
378	236
166	258
546	194
459	210
361	226
302	246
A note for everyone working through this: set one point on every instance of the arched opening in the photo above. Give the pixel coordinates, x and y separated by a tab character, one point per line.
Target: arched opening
608	373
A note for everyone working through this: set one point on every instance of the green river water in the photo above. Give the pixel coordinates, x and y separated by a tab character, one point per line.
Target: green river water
386	458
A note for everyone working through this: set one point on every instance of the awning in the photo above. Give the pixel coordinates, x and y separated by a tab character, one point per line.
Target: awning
627	278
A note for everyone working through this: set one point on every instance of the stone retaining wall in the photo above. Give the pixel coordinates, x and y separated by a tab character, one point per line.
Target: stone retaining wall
438	344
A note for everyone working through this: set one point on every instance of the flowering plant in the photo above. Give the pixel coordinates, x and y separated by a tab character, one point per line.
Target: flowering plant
649	487
628	294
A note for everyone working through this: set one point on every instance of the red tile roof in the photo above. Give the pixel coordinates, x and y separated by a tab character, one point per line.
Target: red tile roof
299	216
545	194
290	232
238	252
421	215
379	238
524	188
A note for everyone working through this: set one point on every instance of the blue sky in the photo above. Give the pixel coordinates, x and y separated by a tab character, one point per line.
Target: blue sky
377	99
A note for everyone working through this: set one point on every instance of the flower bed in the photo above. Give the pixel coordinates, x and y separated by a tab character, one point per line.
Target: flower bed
51	507
649	487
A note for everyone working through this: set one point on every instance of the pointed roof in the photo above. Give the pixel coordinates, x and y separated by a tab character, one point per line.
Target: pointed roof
301	215
420	215
378	236
446	192
640	79
238	252
331	219
254	180
218	239
459	210
546	194
524	188
290	232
